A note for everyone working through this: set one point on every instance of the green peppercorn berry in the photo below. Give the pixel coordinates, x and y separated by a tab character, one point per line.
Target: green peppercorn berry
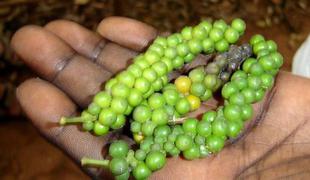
149	74
173	40
107	117
187	33
238	74
93	108
118	149
160	68
189	57
171	52
212	68
183	106
216	34
120	90
198	89
210	81
221	45
272	46
161	41
259	95
204	128
197	75
178	62
267	80
156	100
234	128
246	112
249	95
195	46
118	166
256	39
261	53
157	48
241	83
237	98
102	99
155	160
219	127
158	84
208	45
156	146
174	152
119	122
140	155
148	93
141	171
147	143
247	64
142	63
135	126
142	85
168	63
135	97
259	46
160	116
163	130
215	143
142	113
125	77
151	57
168	146
109	84
231	35
88	125
148	128
190	125
254	82
171	96
221	24
277	58
209	116
256	69
267	63
229	89
192	153
232	112
206	25
119	105
239	25
206	95
100	129
183	142
199	32
182	49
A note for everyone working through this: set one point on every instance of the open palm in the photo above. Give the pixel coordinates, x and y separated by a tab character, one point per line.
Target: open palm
73	62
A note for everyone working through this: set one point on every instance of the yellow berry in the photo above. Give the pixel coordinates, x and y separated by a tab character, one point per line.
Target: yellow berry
138	137
194	101
183	84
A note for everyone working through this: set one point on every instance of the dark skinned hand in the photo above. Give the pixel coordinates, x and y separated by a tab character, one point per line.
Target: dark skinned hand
73	62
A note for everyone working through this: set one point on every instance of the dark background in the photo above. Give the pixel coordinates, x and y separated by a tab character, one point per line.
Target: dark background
23	153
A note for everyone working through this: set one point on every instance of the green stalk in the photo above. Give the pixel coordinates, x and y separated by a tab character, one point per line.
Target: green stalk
94	162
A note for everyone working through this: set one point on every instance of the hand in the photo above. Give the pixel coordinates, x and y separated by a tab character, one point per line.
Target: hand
74	62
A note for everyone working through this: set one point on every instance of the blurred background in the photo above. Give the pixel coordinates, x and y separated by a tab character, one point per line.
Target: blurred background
26	155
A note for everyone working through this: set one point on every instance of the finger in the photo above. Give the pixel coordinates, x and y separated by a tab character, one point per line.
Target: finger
109	55
55	61
45	104
81	39
128	32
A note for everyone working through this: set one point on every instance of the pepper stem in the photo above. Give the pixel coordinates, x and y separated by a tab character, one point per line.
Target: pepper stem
72	120
94	162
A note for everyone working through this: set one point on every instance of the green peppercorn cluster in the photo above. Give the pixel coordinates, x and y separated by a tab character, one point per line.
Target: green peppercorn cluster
142	94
